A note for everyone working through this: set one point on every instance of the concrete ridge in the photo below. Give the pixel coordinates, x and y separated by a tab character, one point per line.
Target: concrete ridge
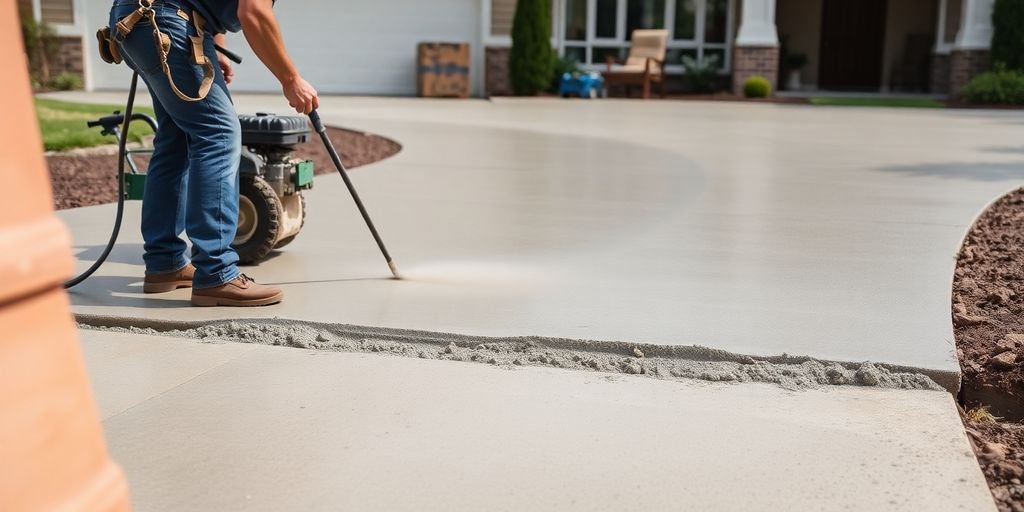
671	362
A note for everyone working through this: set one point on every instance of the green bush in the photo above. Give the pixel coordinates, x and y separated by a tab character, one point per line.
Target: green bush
531	61
42	46
562	66
757	87
67	82
999	87
702	75
1008	34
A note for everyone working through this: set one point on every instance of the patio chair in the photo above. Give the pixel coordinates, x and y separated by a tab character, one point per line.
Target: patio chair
645	64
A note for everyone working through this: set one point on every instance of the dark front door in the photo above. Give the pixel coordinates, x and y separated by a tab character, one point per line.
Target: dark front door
852	43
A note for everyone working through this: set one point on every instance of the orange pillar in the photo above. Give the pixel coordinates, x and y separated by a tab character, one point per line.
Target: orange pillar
52	452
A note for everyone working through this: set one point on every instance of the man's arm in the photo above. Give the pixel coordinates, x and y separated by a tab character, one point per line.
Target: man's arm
264	35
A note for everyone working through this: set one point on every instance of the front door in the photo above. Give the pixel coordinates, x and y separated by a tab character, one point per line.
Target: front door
852	44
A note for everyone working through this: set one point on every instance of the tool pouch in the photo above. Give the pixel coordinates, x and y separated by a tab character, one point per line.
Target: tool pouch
109	52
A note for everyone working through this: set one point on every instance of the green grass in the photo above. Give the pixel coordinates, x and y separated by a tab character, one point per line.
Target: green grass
63	124
877	102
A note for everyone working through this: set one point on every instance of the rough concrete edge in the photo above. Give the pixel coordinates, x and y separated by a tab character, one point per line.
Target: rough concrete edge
615	356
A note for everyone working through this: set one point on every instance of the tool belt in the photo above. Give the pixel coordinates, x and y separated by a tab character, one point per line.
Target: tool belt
111	53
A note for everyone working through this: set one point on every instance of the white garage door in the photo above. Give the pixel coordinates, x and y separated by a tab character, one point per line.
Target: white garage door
341	47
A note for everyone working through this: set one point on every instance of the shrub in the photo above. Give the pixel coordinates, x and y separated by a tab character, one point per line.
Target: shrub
757	87
999	87
67	82
531	61
41	45
1008	34
562	66
702	75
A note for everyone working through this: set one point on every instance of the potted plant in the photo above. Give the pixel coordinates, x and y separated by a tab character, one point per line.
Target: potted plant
793	63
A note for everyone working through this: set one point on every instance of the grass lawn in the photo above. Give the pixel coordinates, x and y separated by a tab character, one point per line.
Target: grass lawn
877	102
63	124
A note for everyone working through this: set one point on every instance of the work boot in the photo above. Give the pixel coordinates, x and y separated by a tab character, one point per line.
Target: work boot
163	283
243	291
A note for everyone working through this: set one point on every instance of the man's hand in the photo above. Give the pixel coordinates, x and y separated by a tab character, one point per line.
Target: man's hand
225	63
301	96
226	68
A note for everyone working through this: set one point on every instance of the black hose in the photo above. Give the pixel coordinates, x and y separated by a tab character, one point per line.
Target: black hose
122	153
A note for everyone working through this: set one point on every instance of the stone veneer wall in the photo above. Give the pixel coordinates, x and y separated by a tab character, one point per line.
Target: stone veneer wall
70	58
965	65
496	80
748	61
938	82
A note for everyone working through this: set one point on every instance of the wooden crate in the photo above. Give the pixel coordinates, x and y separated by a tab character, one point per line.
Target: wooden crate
443	70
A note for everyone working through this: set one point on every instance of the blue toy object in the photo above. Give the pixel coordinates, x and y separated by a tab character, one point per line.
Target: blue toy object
583	85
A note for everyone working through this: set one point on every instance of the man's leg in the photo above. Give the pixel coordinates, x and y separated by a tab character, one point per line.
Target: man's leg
163	205
213	138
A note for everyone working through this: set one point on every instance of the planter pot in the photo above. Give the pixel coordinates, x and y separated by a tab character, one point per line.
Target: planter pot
793	80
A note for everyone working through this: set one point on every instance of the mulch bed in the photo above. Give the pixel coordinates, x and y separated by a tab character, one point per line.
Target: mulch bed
86	178
988	316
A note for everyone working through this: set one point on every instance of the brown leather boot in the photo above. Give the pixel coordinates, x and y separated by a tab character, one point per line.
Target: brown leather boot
243	291
162	283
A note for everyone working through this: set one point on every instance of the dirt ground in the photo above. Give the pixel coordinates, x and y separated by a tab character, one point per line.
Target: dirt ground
988	315
86	178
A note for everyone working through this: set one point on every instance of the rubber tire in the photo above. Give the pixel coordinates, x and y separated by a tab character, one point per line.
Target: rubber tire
268	215
286	241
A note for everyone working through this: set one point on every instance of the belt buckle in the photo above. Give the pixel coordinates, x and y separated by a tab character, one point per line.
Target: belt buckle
145	5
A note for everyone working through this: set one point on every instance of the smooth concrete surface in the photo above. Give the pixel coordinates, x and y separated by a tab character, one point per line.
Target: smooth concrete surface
266	428
754	228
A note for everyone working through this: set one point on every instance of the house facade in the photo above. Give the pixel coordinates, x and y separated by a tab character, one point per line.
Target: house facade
369	46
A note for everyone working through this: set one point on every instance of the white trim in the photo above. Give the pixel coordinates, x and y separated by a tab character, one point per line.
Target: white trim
758	25
975	26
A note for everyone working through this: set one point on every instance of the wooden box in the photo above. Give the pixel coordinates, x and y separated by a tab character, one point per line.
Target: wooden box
443	70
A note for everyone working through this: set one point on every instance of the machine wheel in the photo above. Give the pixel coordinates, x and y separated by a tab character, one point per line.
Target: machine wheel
259	215
286	241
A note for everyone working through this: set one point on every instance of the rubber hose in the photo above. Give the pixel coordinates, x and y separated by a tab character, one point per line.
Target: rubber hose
122	153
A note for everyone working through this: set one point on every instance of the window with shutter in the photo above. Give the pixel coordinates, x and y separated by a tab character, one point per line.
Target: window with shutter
502	12
58	11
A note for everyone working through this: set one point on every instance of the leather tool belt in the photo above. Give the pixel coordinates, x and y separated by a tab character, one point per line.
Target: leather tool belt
111	53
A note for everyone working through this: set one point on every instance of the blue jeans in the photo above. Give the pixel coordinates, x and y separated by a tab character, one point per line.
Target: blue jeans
192	180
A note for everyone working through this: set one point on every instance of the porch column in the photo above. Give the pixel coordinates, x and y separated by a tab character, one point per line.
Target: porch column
970	54
756	50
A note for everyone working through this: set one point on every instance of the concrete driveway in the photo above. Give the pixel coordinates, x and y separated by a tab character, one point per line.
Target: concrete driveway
755	229
751	229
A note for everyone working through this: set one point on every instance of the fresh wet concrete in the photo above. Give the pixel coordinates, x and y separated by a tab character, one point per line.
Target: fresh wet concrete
754	229
207	426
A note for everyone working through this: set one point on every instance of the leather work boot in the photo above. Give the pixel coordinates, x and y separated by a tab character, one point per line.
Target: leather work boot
243	291
163	283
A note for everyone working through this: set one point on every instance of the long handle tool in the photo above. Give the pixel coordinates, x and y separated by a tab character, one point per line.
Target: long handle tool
318	125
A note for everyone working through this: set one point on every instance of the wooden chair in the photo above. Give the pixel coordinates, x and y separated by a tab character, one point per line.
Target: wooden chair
645	64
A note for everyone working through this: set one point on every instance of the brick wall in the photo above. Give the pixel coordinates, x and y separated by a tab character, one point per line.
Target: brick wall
496	72
748	61
938	82
965	65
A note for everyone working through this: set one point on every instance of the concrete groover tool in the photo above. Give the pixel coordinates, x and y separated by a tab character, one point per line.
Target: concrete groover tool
318	125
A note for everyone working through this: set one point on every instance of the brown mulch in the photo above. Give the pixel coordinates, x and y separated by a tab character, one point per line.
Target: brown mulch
90	178
988	315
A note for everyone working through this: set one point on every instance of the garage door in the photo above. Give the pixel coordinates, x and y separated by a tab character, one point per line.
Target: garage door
350	47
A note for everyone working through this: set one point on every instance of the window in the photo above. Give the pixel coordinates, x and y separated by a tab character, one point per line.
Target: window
716	17
575	20
58	11
641	14
597	29
953	8
607	19
502	12
686	21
